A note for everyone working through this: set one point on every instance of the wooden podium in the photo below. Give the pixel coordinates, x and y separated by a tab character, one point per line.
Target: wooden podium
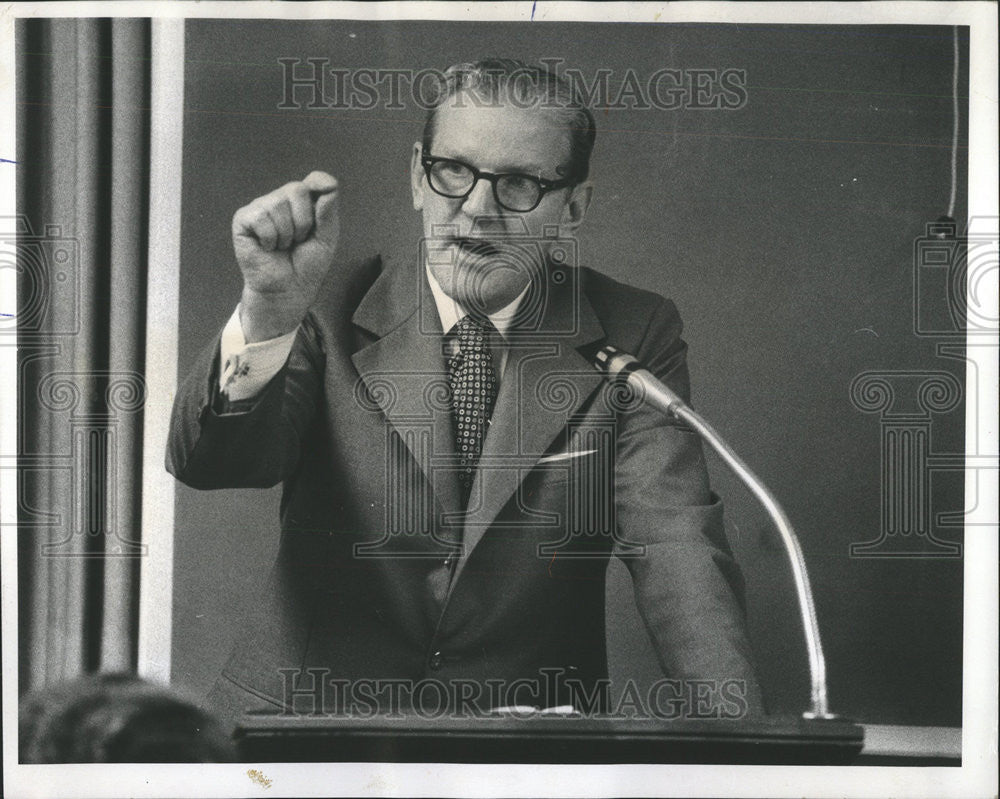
542	738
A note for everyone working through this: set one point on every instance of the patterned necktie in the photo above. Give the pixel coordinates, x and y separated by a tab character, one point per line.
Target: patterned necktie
474	389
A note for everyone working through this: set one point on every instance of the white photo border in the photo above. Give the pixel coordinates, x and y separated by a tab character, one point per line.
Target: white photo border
976	776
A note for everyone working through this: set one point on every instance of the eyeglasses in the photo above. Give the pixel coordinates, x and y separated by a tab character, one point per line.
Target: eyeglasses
513	191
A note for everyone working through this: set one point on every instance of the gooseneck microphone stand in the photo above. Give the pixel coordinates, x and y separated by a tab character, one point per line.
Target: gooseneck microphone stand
624	368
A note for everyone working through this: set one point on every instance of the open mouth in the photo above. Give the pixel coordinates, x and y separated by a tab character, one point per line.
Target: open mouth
478	247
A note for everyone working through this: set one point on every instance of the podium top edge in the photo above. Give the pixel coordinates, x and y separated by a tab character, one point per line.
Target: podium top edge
279	723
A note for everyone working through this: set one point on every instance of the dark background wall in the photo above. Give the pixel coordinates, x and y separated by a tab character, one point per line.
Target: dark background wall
784	232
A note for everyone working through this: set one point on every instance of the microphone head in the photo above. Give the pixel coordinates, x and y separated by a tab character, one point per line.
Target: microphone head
603	356
613	361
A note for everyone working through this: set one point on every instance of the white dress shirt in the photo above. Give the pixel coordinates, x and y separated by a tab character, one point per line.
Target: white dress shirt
247	368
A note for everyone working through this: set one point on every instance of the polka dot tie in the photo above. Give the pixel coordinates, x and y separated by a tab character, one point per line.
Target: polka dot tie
474	388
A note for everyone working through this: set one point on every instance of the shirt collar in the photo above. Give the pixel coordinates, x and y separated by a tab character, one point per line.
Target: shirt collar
451	311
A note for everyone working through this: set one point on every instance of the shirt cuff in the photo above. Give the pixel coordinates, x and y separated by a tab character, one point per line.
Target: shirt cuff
247	368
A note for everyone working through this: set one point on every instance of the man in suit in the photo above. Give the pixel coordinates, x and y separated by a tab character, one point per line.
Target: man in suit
456	473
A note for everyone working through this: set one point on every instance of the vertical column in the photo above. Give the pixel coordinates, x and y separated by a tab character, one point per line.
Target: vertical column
905	401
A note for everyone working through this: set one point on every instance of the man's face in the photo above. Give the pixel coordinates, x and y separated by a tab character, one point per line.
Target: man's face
466	237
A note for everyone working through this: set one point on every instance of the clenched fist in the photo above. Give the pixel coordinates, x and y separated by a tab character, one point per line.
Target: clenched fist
285	242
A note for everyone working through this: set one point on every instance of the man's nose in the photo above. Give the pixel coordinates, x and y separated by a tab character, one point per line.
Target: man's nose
480	200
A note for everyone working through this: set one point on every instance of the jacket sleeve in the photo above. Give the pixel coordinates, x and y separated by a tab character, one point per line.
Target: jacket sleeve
688	587
250	444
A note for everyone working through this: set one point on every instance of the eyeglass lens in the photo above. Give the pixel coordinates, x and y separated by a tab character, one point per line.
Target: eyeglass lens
514	192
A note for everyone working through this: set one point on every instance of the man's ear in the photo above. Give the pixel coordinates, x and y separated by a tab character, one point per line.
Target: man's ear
417	178
576	206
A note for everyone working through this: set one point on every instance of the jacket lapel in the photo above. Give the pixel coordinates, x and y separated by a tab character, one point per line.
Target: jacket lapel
405	374
545	382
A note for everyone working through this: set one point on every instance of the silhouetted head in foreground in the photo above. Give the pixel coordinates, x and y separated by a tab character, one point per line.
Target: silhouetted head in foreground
117	718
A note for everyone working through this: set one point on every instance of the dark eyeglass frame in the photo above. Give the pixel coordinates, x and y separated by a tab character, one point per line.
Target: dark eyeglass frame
545	186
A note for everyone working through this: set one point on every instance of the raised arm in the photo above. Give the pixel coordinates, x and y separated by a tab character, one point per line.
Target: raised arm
241	414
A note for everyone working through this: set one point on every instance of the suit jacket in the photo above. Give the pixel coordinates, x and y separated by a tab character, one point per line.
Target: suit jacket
381	575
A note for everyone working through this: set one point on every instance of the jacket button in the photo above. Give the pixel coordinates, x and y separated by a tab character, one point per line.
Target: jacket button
435	661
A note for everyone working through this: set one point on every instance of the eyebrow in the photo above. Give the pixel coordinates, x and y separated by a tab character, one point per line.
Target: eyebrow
520	169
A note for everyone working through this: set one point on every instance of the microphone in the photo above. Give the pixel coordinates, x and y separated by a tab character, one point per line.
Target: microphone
622	368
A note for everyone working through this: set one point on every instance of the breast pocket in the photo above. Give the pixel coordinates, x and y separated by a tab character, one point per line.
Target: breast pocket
576	497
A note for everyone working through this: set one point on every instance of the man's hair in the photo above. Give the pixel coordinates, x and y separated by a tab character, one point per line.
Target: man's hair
495	81
117	718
